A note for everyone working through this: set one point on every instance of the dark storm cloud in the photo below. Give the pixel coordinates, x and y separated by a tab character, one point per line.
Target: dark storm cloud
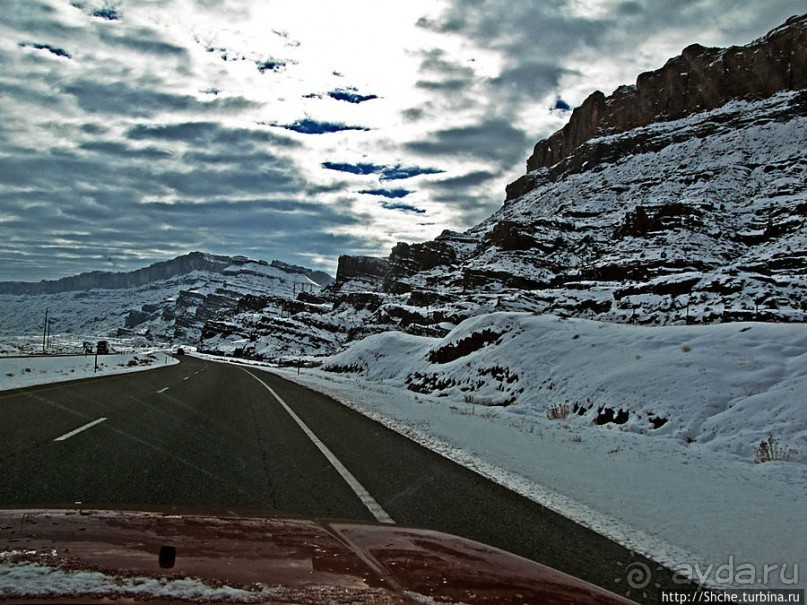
35	17
141	41
123	175
265	228
209	133
394	173
270	65
402	207
473	205
108	13
123	99
494	139
561	105
467	193
387	173
441	73
448	86
253	160
738	22
350	95
530	80
100	203
54	50
116	148
526	30
523	30
202	182
472	179
414	114
273	228
285	214
360	168
310	126
388	193
21	93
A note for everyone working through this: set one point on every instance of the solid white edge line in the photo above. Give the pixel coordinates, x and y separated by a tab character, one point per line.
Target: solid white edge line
374	507
79	429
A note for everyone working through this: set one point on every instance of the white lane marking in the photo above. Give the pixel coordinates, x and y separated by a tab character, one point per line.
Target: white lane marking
374	507
79	429
186	377
163	390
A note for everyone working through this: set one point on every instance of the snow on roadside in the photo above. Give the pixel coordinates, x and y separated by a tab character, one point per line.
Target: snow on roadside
686	493
18	372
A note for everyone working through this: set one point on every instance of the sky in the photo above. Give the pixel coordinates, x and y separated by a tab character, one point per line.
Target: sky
134	131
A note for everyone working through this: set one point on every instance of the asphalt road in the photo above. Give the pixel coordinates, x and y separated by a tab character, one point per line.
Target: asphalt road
216	435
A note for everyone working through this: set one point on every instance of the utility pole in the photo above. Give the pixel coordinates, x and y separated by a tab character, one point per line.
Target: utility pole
45	333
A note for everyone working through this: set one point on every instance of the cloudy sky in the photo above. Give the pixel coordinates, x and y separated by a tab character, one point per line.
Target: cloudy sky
132	131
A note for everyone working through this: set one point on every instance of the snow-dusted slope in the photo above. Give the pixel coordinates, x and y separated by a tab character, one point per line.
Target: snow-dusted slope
173	309
721	388
700	219
687	493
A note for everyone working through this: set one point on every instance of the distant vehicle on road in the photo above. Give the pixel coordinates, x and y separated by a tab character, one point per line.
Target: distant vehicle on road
102	348
88	348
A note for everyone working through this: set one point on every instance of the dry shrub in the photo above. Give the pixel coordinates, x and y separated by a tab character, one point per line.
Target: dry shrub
557	411
770	450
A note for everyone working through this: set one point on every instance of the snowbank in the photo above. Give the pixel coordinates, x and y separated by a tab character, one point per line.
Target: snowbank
18	372
687	493
721	388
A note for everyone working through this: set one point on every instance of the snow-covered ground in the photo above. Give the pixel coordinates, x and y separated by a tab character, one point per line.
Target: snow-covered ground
675	480
18	372
688	493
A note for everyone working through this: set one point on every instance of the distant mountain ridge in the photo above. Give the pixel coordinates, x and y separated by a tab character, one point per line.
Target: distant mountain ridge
181	265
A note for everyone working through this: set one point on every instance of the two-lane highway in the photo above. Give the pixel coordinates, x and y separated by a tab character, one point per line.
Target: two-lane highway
197	434
216	435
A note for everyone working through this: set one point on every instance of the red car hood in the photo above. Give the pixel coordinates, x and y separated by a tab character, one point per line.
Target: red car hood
68	556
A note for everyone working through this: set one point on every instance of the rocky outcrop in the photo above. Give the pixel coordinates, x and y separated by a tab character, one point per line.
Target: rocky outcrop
610	149
698	80
318	277
360	268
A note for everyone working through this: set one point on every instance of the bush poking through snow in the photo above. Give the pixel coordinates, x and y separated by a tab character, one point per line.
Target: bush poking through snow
464	347
770	450
557	411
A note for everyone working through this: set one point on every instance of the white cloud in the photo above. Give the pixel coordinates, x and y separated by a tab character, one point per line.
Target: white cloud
160	125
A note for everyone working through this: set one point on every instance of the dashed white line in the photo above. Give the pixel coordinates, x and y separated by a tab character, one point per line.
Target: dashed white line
163	390
79	429
186	377
374	507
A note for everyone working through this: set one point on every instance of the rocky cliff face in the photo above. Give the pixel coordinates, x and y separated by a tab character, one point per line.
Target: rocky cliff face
699	79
